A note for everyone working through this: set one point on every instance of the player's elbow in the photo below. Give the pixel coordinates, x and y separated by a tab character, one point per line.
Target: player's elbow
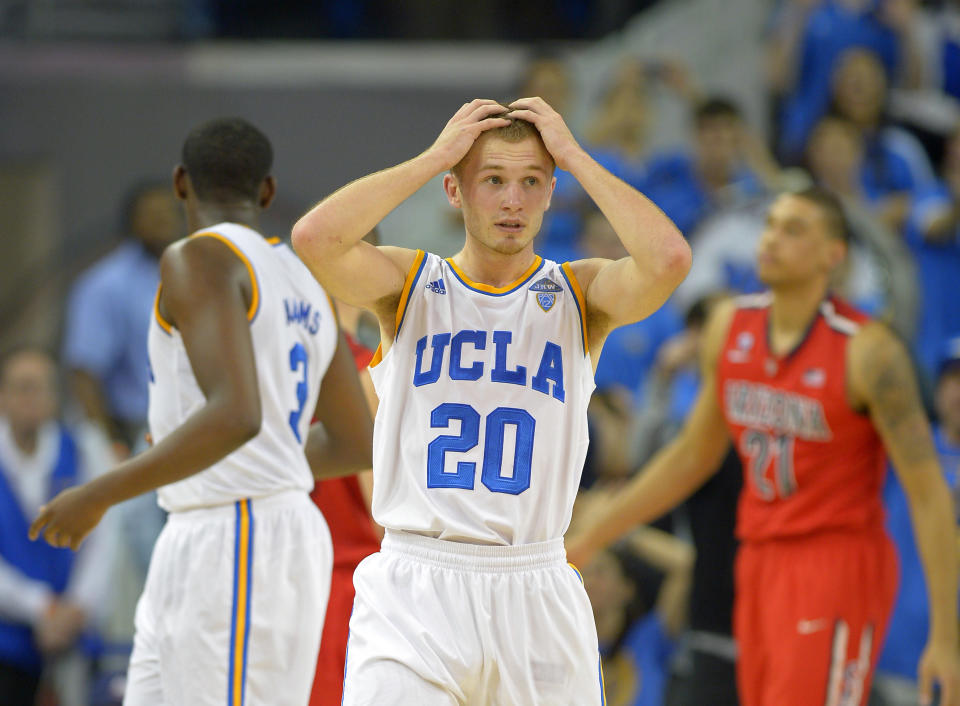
242	423
311	240
676	259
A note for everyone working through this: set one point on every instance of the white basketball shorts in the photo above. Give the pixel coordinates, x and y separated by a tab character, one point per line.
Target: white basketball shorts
233	607
437	622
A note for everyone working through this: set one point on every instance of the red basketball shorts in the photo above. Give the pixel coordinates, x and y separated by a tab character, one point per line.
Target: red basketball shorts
810	616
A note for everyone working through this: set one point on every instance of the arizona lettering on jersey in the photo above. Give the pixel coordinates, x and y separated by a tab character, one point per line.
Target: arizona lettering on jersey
481	431
294	334
810	461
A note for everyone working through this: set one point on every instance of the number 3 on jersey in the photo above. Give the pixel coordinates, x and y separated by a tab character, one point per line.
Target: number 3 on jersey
298	355
492	473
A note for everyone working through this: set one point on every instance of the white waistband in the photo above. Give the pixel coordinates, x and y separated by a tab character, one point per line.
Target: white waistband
285	498
476	557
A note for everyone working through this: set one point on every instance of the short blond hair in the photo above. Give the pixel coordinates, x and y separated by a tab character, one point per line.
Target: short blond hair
517	131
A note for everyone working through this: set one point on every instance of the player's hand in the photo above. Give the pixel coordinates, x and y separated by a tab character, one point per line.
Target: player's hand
66	520
463	129
554	132
940	663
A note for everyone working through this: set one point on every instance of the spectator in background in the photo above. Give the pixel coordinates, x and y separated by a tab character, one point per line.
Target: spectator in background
619	128
690	186
47	596
907	634
892	161
547	74
638	590
105	342
807	38
932	233
879	276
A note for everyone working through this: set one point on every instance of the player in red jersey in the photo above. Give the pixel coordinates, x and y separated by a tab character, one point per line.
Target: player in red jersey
814	395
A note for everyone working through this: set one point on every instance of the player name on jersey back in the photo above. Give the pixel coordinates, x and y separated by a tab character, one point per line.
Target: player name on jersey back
481	432
294	333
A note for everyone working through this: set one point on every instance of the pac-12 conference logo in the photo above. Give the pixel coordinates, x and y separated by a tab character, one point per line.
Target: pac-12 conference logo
546	290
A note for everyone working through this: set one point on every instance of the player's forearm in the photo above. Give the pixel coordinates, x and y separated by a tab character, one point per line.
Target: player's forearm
330	457
341	220
932	513
656	246
670	477
212	433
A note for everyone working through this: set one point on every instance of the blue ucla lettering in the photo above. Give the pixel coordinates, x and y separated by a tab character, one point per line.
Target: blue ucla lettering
302	313
551	370
517	376
548	380
439	344
457	371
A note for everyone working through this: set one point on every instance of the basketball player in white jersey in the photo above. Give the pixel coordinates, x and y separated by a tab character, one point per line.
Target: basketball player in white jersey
484	376
244	346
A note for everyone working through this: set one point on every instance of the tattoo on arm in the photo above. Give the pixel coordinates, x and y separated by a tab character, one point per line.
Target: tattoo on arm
894	403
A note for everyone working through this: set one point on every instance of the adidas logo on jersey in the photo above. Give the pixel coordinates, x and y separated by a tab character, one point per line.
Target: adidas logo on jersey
437	286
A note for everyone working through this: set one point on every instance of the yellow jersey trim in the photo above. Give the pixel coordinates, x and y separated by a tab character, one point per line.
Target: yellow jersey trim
164	324
274	240
377	357
479	286
255	296
581	302
412	275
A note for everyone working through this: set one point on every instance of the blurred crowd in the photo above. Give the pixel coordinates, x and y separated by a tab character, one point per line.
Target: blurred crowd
863	98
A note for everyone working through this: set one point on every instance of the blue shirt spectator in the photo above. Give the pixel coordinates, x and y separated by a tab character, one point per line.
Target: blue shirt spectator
673	183
830	30
48	596
933	236
105	344
107	321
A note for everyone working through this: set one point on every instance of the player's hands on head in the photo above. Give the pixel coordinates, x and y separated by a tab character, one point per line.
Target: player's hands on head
66	520
463	129
940	664
556	136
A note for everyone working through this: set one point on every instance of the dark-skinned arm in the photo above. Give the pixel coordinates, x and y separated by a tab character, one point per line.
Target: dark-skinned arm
205	294
882	378
341	440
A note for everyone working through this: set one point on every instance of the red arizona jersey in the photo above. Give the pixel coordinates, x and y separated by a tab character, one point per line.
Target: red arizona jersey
810	461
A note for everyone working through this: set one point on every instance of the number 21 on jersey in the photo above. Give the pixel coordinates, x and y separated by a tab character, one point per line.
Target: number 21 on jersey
491	474
764	451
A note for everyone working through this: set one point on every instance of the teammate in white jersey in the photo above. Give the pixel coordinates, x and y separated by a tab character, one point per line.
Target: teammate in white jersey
484	375
244	346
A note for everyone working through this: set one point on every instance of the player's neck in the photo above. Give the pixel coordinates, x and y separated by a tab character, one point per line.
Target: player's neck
791	312
209	214
494	268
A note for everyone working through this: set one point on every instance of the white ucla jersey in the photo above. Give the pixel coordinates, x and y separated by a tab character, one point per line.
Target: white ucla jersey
481	432
294	334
